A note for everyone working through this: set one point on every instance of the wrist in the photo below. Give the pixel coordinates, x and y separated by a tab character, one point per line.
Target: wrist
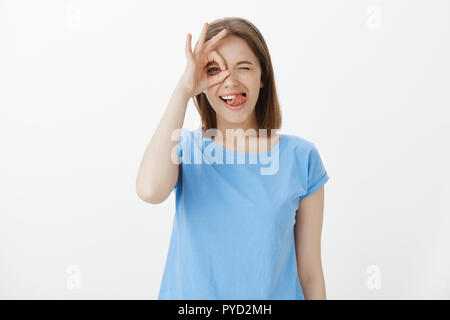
182	91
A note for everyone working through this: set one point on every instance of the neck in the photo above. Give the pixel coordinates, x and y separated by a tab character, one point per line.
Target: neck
250	123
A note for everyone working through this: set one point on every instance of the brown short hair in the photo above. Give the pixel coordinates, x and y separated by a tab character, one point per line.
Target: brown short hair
267	109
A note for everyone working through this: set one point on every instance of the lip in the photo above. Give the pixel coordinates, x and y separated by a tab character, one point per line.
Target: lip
232	93
234	108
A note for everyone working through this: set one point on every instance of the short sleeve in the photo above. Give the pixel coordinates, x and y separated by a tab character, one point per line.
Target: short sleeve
317	175
180	167
179	150
184	135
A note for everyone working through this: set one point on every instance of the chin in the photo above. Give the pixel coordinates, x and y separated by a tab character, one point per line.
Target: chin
236	118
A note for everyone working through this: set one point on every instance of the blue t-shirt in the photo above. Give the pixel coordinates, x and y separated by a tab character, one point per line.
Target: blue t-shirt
233	230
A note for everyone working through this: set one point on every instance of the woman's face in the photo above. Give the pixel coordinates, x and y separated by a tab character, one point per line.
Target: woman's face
243	77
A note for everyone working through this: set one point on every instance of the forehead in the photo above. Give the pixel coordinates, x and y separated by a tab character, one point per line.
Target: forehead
234	49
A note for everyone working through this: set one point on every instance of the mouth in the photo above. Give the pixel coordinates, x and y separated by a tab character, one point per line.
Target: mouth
235	101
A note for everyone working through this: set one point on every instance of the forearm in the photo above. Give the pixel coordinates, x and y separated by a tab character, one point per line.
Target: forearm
157	172
314	287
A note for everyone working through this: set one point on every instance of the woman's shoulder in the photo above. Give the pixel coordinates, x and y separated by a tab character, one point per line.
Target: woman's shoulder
298	143
307	156
187	134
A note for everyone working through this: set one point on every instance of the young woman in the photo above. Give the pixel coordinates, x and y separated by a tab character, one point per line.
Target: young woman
243	229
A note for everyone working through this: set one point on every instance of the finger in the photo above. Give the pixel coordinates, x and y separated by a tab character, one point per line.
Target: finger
188	48
217	57
211	43
217	78
201	39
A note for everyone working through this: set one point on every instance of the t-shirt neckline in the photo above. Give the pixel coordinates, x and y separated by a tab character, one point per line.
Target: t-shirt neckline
277	145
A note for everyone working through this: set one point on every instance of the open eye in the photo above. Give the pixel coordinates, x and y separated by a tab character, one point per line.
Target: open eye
212	69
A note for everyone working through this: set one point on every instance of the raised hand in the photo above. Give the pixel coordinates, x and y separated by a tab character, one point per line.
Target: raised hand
195	79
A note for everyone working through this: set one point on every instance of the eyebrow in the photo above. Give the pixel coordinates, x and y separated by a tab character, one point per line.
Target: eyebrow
237	63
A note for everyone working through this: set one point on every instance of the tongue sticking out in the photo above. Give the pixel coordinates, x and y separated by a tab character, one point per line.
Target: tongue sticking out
237	100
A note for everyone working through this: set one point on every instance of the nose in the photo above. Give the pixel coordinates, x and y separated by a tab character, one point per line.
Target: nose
231	79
